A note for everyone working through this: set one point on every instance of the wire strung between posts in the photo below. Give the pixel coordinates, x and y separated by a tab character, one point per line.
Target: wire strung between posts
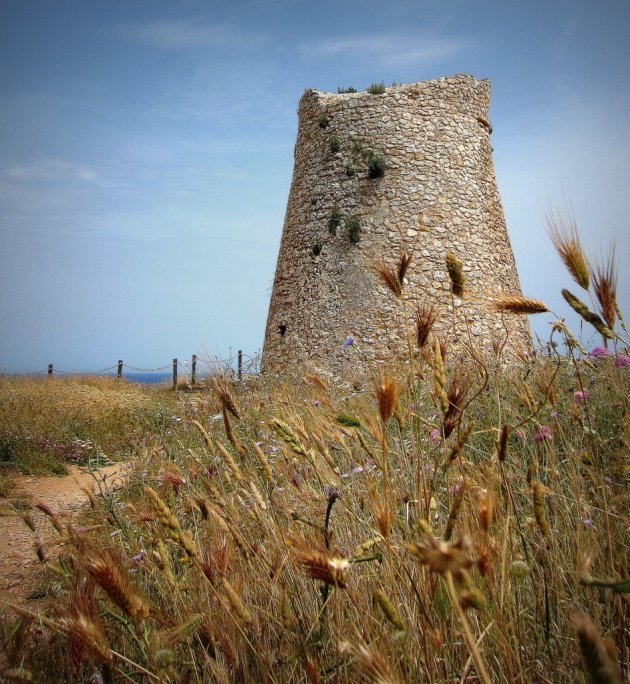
148	370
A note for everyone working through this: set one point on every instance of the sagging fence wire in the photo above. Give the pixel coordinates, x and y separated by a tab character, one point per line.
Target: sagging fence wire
245	364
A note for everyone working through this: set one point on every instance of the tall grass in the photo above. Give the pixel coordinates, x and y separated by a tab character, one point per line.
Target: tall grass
441	523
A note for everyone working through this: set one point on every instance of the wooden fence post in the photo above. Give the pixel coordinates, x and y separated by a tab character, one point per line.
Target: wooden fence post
175	374
194	369
240	364
120	367
50	369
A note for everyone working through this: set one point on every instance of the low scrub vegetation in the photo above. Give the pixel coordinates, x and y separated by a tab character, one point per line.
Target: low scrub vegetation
439	522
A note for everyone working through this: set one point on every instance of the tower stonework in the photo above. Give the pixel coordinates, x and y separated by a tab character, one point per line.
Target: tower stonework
376	175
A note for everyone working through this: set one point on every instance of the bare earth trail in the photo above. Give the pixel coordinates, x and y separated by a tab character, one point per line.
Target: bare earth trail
20	569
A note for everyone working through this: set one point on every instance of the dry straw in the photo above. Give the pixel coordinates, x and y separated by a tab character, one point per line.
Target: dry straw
599	661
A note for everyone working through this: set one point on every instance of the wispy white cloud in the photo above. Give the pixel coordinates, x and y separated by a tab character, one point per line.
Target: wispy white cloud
389	49
57	170
185	34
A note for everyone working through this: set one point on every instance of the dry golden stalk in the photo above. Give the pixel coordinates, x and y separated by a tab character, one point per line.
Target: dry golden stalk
605	287
366	447
204	434
462	438
389	278
517	304
563	232
539	509
389	610
107	571
439	376
264	464
365	548
220	388
183	632
236	602
230	462
394	278
164	562
485	508
257	496
286	432
89	634
320	567
228	426
454	512
502	450
376	667
404	261
456	274
598	660
425	319
455	397
170	521
579	307
215	494
386	397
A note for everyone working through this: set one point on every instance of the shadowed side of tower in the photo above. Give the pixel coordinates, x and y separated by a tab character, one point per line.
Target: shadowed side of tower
409	170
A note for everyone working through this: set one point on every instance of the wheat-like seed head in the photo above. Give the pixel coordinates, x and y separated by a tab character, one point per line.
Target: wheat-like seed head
454	266
386	397
605	287
517	304
425	319
108	573
562	230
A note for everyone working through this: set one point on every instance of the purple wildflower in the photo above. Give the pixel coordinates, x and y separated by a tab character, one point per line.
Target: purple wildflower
587	521
622	361
600	351
580	396
316	402
542	434
331	492
435	436
349	341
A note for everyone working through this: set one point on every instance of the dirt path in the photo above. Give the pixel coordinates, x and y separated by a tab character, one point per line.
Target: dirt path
20	569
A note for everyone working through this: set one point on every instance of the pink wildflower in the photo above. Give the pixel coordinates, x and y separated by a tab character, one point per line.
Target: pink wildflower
622	361
580	396
600	351
542	434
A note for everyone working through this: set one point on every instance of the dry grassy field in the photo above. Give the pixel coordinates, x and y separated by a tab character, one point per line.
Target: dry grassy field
438	522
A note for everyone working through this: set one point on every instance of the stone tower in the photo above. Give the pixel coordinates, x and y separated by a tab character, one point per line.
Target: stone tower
409	169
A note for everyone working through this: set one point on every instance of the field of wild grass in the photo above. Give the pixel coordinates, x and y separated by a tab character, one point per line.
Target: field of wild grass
438	523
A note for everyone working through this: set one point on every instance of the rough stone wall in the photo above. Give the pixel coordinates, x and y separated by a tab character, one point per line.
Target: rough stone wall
438	195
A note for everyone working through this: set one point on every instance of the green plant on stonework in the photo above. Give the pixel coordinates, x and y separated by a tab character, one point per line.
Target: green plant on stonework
335	143
334	219
317	248
353	228
377	164
322	120
376	88
348	89
350	170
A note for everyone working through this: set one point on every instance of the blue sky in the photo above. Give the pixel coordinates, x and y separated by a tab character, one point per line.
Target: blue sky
146	151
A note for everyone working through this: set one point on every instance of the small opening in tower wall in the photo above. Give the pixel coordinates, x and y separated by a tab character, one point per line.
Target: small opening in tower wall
282	328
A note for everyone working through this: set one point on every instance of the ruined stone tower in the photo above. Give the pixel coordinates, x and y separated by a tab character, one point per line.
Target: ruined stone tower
409	169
